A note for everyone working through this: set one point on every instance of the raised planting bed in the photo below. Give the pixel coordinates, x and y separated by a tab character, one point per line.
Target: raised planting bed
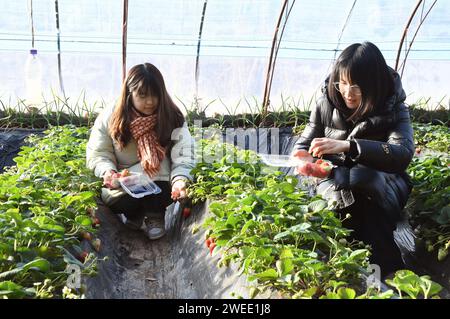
272	237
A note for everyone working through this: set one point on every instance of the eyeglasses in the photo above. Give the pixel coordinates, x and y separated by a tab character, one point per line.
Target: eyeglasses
352	89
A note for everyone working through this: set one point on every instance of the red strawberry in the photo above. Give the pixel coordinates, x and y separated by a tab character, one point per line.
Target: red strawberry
82	257
208	242
211	248
322	168
86	235
186	212
305	169
95	221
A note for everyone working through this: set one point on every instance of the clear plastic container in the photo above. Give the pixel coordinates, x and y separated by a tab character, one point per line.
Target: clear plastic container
139	185
280	160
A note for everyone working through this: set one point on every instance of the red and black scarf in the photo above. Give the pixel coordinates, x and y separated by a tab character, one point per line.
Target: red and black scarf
149	150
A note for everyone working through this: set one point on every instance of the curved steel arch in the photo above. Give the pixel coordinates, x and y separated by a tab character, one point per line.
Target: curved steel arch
273	56
197	59
422	19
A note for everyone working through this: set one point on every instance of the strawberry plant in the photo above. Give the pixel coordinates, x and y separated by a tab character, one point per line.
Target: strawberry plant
280	237
45	206
429	202
433	137
411	286
430	173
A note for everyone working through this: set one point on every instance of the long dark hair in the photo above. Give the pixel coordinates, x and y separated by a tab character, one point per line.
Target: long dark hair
362	64
145	79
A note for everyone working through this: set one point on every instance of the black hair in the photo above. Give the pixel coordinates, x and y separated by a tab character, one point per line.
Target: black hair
362	64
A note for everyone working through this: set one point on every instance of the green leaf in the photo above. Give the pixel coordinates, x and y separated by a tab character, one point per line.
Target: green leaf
40	264
267	274
303	209
330	295
85	196
281	235
247	224
429	288
443	217
346	293
253	292
232	220
305	294
357	254
317	205
286	253
83	220
11	290
284	266
287	188
300	228
217	209
406	281
10	273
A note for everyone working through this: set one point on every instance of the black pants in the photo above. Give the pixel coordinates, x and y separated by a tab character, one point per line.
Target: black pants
379	201
370	225
134	208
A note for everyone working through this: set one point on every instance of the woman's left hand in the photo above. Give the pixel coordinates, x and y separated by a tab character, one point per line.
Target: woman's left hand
324	145
179	189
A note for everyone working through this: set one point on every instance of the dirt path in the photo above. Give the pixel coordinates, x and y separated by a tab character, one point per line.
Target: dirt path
176	266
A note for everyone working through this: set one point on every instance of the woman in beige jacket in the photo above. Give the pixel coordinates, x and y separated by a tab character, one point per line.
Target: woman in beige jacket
145	132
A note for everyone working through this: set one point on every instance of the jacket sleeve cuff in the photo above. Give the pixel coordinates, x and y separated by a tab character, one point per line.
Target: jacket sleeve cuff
103	169
180	177
354	150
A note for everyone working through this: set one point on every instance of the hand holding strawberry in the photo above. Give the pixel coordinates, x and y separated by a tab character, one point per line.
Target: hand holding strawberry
111	178
179	190
321	168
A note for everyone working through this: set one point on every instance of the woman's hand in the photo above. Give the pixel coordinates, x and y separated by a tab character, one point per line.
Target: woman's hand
302	155
325	145
110	180
179	189
305	157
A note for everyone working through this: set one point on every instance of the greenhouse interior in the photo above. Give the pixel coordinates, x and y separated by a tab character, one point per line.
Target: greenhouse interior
195	149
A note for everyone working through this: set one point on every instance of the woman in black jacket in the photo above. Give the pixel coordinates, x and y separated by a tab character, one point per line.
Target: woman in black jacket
362	125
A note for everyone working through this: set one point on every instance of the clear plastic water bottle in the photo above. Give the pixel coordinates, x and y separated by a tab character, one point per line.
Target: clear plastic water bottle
33	79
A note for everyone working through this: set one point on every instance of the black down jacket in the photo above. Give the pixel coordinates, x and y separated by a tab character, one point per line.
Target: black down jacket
385	144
